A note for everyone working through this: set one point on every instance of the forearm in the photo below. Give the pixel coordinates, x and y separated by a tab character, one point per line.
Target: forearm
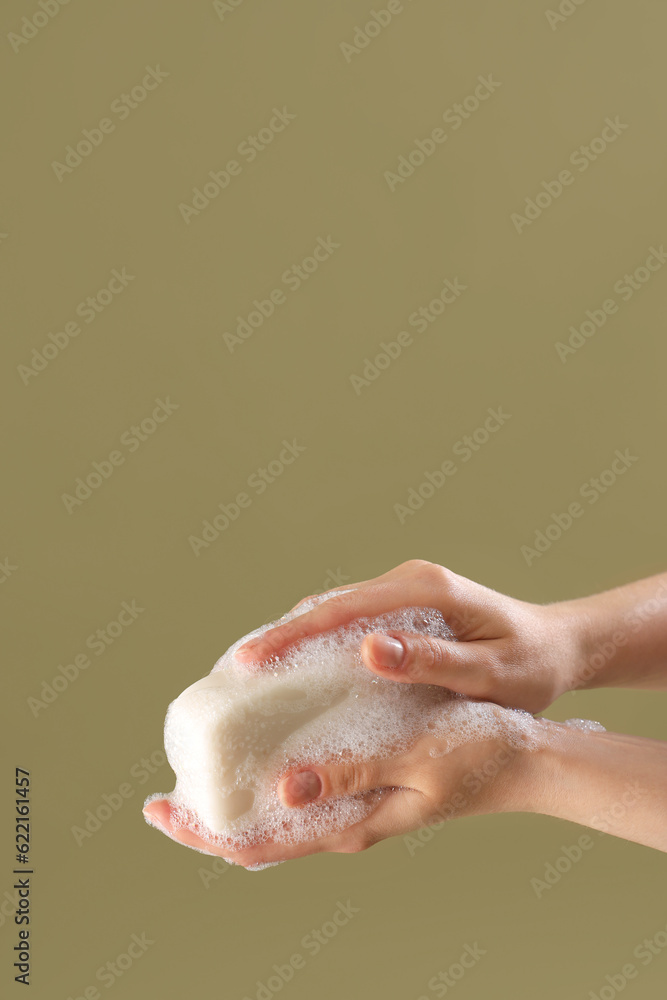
612	783
621	636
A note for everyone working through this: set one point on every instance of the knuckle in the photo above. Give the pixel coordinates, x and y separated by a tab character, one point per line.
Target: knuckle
415	564
489	676
347	780
328	611
325	615
460	620
337	600
440	575
300	604
286	633
429	572
432	573
426	657
425	571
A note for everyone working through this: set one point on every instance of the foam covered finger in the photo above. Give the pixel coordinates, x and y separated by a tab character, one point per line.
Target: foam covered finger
159	814
340	609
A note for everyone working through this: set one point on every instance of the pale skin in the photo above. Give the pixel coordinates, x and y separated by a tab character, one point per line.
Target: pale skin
510	653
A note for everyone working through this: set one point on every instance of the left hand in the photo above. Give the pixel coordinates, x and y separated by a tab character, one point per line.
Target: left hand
420	790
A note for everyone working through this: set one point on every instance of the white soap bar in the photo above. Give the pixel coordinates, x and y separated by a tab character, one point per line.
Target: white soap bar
231	736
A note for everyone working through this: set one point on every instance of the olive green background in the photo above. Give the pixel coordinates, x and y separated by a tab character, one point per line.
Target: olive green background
333	509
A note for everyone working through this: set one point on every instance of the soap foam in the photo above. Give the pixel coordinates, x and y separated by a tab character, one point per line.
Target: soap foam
231	736
586	725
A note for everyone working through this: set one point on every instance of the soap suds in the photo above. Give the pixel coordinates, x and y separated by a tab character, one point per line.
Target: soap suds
231	736
586	725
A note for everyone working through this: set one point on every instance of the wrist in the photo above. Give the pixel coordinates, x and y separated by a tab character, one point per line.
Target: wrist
605	781
513	776
536	771
620	636
581	636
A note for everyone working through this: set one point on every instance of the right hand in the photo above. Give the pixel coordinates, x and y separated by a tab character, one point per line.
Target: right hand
516	654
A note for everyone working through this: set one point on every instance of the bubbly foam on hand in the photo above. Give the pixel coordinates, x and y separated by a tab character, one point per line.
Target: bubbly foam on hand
231	736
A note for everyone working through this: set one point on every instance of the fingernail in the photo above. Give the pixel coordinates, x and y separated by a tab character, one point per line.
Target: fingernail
303	787
248	650
388	652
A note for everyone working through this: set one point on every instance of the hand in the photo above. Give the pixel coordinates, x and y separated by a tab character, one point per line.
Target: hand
604	781
510	652
415	789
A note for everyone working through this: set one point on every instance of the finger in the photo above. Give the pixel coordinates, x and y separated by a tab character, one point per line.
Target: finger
413	584
331	781
325	595
160	814
396	571
338	610
465	667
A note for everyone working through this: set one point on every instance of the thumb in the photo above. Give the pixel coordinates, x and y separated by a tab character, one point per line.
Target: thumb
464	667
324	782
